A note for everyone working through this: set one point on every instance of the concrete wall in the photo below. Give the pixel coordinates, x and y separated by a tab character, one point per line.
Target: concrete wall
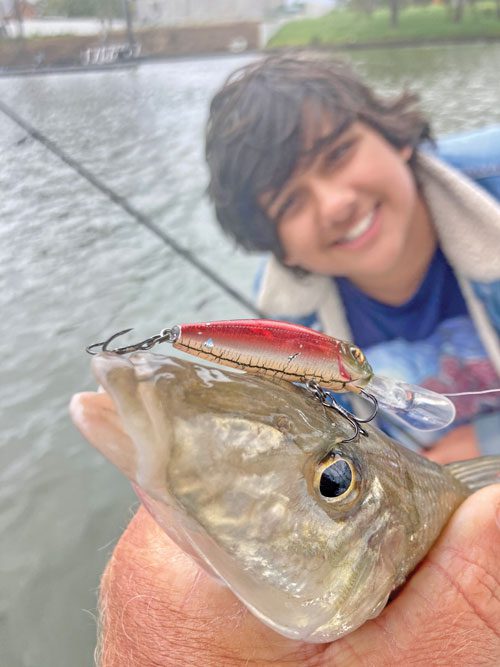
189	12
155	42
63	26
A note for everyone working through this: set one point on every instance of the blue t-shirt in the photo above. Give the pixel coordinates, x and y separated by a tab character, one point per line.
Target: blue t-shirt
430	341
438	298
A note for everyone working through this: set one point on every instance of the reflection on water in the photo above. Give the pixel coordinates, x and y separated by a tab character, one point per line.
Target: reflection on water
74	267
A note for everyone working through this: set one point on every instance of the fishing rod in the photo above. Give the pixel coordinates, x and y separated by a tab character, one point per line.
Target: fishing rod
125	205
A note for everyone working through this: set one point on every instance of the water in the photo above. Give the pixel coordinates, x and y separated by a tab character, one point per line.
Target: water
74	267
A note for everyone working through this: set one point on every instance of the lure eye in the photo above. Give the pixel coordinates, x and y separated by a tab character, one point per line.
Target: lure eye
335	479
357	354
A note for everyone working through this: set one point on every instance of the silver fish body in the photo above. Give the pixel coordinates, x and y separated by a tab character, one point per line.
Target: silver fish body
253	478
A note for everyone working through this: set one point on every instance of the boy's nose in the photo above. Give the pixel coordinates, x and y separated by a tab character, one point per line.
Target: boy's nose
335	205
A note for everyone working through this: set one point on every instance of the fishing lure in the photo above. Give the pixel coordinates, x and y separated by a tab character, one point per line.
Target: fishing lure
296	353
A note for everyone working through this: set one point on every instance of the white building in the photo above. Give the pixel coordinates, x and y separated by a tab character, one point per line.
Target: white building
185	12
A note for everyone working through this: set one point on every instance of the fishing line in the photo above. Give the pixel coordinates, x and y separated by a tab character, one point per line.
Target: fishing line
474	393
131	210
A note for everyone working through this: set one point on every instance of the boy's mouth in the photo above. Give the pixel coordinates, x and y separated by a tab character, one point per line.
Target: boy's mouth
359	229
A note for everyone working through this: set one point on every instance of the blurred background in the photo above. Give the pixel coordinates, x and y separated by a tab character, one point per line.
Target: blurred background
123	88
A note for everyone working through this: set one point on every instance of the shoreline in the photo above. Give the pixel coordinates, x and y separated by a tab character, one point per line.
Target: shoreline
392	43
132	63
127	64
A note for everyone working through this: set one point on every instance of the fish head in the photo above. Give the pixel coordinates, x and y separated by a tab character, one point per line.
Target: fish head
256	480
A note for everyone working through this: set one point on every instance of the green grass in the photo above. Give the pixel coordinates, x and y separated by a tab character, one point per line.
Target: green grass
344	27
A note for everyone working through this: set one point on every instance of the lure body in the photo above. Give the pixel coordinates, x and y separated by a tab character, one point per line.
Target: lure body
278	350
295	353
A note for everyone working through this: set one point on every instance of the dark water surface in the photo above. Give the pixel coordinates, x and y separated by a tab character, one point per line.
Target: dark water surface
74	267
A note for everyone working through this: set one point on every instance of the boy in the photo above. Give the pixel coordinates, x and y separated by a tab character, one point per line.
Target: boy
376	236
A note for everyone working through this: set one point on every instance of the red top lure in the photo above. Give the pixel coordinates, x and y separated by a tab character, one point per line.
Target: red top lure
278	350
298	354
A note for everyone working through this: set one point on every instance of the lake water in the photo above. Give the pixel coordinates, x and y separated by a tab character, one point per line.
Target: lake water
74	267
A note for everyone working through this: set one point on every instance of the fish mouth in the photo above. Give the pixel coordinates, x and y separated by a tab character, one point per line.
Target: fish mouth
107	367
142	444
94	416
103	363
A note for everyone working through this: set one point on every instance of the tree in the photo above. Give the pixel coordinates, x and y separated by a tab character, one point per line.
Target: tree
457	7
394	7
368	7
18	11
365	6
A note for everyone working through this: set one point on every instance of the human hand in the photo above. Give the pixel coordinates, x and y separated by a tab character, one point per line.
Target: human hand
159	608
457	445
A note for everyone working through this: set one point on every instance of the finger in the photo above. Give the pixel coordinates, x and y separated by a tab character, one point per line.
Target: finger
450	608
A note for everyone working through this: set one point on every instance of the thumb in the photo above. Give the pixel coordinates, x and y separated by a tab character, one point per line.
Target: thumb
450	607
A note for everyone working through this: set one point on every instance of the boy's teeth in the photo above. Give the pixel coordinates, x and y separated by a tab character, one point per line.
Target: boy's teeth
359	229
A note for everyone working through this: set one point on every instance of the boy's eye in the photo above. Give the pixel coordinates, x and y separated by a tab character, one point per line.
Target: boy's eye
289	206
333	157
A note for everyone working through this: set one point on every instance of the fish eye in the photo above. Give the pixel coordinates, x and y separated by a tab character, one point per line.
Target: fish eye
335	479
357	354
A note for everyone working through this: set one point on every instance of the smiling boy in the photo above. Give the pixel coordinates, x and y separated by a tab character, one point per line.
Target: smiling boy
375	238
355	212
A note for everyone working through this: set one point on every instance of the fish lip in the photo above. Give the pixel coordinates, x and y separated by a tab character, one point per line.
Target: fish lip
130	381
143	365
104	362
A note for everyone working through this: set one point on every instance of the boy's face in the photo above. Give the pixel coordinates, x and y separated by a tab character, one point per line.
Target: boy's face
350	211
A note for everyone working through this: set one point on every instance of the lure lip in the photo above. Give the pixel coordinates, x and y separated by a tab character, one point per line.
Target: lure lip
412	405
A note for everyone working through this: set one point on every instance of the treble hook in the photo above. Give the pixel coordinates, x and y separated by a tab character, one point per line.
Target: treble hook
167	335
374	402
327	399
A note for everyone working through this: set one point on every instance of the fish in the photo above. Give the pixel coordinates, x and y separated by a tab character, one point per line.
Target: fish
264	487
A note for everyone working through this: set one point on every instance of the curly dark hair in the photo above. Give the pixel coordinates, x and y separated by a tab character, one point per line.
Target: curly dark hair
255	132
